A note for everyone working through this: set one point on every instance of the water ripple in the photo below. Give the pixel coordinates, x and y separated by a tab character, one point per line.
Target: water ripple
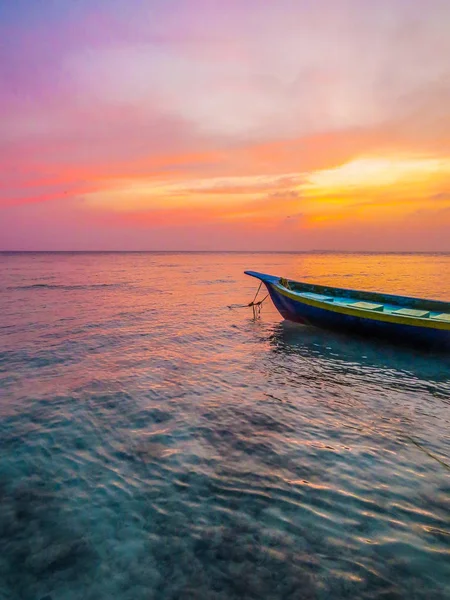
159	446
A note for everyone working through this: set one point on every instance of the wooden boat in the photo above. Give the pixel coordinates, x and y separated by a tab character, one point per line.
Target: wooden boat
426	322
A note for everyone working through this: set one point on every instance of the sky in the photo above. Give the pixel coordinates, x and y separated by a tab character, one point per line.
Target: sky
225	125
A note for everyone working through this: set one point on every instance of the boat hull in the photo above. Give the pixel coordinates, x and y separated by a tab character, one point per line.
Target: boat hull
396	328
299	312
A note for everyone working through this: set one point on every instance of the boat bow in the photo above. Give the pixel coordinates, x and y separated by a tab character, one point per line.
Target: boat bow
263	276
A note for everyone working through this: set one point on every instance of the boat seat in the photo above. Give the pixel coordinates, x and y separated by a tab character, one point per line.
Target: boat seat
412	312
314	296
367	306
442	317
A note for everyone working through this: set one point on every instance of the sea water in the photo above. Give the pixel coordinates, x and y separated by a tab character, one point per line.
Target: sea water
156	444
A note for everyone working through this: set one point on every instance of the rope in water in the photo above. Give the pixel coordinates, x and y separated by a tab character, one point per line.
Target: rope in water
407	437
441	462
255	305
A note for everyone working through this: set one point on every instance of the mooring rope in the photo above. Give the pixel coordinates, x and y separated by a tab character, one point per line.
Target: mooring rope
256	295
416	443
407	437
255	305
399	431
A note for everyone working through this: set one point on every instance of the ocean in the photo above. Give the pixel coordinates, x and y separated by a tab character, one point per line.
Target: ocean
156	444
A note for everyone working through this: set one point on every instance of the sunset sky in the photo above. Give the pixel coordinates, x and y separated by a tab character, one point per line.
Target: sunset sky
231	124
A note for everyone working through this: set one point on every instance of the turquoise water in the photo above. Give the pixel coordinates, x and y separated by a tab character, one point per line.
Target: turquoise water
157	445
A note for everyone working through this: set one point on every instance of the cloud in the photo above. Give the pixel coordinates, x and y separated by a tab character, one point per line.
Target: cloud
440	197
285	194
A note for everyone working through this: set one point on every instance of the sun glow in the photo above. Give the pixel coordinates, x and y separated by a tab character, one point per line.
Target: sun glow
379	172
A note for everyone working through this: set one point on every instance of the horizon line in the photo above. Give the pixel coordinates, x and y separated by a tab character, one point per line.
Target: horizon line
312	251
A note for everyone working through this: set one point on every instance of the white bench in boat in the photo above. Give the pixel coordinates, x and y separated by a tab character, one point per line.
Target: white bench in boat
441	317
367	306
412	312
313	296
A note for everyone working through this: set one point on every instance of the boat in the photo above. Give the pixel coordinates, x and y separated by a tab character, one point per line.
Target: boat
401	318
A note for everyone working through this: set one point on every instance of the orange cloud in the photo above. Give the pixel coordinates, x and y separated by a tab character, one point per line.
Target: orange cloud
356	179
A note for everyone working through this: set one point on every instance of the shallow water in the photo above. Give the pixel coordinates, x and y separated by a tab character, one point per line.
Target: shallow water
157	445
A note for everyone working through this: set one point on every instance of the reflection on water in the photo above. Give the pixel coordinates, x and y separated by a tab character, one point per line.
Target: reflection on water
158	445
344	352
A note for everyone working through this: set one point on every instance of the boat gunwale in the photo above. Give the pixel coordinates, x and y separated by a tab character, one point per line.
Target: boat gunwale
396	298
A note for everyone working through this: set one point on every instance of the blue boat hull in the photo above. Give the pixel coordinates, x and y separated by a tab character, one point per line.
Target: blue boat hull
299	312
319	317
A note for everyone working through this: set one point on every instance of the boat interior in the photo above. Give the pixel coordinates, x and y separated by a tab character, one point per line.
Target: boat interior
372	301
